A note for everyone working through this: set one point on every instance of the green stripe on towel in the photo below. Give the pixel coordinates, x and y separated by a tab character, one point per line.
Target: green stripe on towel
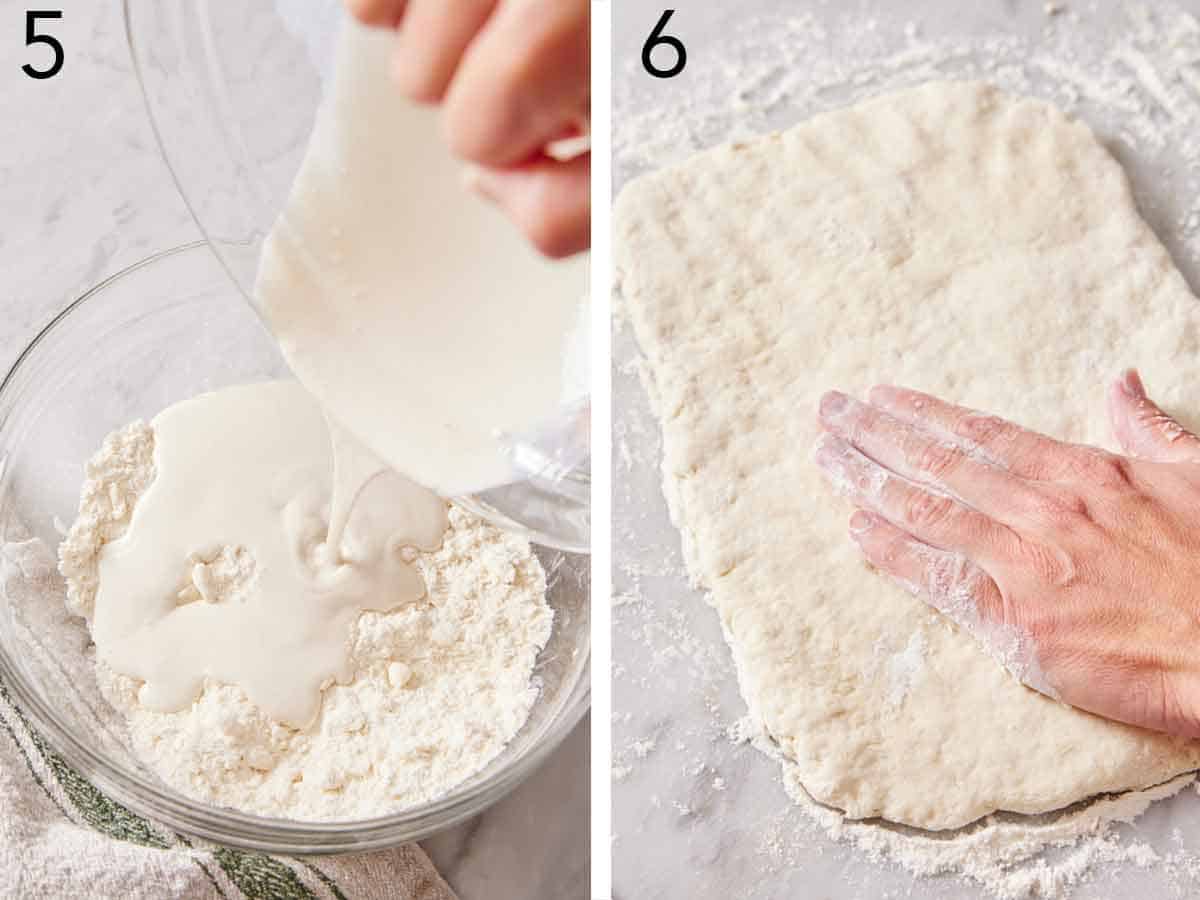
256	875
99	811
261	877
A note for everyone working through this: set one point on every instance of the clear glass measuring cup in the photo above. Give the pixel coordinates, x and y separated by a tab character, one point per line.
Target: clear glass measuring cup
232	92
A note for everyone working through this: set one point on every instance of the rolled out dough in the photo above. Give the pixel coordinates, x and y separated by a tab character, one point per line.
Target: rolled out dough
952	238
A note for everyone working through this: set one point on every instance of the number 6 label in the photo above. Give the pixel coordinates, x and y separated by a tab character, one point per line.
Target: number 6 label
657	39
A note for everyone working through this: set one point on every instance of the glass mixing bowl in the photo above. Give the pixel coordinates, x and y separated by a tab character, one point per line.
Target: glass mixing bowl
166	329
232	90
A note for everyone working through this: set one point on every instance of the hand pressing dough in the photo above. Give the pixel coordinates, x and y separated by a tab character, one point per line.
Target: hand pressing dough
951	238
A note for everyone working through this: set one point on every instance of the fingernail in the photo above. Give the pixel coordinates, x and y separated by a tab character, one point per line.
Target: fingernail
833	404
831	460
861	522
1131	385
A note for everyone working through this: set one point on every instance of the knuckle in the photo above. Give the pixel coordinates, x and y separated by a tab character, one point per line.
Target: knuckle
550	226
938	459
1180	712
860	420
549	236
1150	700
866	418
1043	630
479	137
369	12
926	511
880	393
464	136
893	553
915	402
501	99
1102	469
981	429
420	83
1059	510
1051	566
1013	610
549	30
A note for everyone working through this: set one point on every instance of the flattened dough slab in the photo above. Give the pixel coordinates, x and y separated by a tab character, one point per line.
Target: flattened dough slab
951	238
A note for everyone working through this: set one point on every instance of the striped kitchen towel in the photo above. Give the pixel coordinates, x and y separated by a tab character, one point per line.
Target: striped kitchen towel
61	837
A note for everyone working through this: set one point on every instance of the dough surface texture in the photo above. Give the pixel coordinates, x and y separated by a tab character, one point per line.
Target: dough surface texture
951	238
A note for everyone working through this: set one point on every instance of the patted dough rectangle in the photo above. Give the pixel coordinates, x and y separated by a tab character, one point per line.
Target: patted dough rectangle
952	238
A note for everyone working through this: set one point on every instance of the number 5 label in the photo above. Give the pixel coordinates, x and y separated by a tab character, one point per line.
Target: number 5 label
32	37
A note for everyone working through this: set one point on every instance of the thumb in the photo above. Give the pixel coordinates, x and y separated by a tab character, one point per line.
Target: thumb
1143	429
548	199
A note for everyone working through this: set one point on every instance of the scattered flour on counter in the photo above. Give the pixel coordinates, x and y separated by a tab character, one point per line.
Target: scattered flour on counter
1011	857
642	749
440	686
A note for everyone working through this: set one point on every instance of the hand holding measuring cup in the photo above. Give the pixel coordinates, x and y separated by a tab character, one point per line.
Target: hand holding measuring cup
513	78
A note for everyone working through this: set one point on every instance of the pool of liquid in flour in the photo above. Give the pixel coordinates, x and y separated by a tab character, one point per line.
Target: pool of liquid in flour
252	469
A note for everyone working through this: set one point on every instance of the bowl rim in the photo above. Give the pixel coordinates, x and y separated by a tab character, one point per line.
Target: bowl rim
243	830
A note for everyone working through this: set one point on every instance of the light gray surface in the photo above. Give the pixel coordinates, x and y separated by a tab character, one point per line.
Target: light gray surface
84	193
694	815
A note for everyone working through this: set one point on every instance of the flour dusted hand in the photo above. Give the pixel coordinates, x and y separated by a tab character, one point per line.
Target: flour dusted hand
1076	567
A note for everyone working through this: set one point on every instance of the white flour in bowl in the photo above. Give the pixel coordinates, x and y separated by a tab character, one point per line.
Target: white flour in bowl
440	686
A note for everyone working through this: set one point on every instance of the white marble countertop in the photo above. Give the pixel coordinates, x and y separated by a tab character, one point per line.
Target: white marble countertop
694	814
83	194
